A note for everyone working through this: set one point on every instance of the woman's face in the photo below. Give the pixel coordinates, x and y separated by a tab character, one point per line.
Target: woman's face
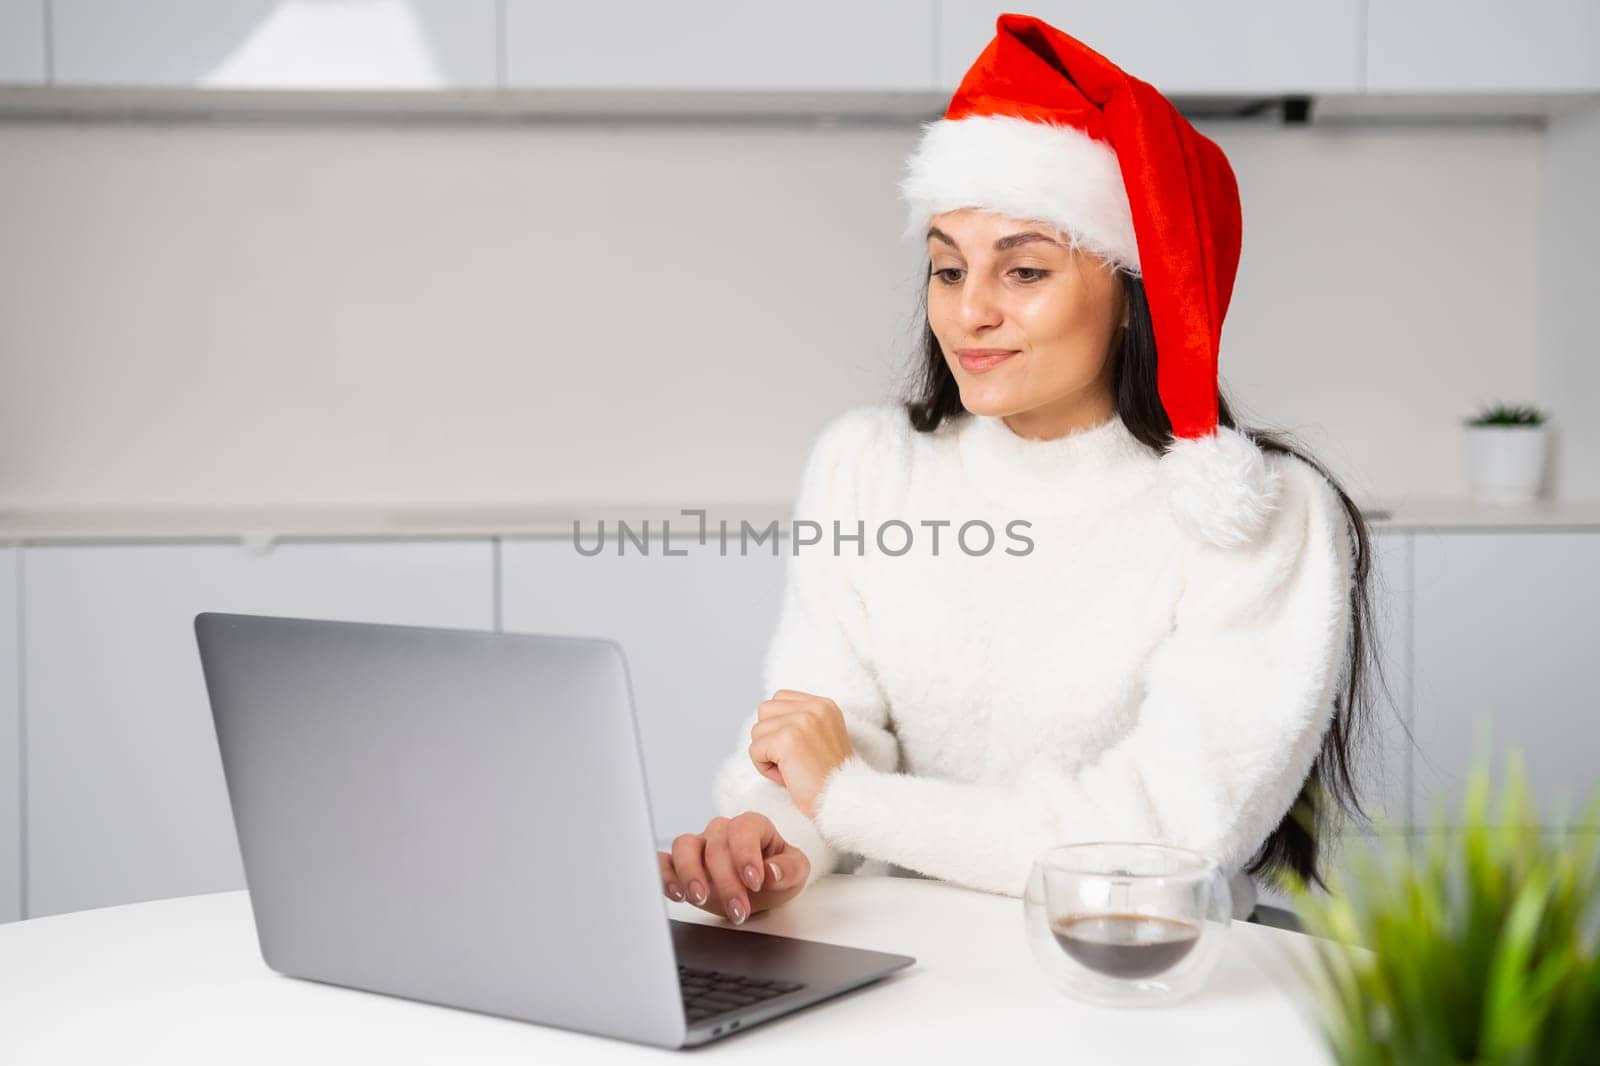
1003	285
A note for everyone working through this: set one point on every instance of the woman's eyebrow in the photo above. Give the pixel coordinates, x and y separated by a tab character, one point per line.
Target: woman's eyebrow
1026	237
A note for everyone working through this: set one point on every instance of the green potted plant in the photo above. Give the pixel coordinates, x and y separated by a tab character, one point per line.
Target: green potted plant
1475	945
1506	446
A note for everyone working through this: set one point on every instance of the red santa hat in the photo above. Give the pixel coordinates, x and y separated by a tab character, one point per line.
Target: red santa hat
1045	128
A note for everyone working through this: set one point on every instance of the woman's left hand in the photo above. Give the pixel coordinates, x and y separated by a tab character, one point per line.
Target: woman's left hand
797	741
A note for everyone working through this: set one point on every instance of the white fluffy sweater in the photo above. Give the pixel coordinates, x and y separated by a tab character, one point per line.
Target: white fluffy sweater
1122	680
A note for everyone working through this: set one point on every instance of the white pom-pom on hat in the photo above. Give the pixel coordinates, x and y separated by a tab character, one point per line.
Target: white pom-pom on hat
1220	487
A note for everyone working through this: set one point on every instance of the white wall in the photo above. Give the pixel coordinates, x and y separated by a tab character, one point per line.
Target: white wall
256	313
1569	284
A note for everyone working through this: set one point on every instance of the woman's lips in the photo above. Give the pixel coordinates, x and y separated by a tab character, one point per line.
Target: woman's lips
977	360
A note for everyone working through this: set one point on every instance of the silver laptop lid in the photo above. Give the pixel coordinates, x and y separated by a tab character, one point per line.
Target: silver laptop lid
454	816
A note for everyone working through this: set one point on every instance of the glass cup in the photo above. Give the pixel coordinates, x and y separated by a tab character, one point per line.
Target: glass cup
1126	924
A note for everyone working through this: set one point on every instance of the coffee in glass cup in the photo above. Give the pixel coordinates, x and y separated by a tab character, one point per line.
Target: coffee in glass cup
1126	924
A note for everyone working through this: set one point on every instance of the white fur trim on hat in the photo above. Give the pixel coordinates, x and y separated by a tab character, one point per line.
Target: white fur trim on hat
1026	169
1220	486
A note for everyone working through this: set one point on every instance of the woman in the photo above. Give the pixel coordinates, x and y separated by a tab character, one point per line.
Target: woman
1169	644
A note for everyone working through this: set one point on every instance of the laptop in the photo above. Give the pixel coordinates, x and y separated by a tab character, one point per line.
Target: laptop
461	817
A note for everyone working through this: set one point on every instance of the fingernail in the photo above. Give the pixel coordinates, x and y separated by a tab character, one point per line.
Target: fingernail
777	874
697	892
675	891
751	877
736	912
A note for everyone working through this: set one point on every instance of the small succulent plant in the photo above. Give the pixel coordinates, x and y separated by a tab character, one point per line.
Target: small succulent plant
1501	414
1476	945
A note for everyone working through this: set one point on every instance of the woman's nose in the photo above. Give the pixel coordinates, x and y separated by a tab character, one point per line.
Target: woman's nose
979	306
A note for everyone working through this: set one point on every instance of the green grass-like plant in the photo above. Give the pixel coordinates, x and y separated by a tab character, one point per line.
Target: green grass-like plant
1475	944
1501	414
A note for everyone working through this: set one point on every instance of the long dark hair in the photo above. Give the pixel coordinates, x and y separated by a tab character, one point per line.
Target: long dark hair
1293	846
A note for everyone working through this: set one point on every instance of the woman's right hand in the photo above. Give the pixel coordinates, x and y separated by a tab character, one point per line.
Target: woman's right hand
738	867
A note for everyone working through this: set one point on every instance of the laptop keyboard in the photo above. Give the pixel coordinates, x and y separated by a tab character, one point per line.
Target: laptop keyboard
710	992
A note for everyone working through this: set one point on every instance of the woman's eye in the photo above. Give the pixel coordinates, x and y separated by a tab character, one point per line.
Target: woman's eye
1032	274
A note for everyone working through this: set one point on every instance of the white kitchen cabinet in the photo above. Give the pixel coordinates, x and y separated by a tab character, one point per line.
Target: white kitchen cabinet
1504	640
1483	46
126	799
1187	46
10	744
694	629
22	48
1348	861
275	44
1384	774
718	45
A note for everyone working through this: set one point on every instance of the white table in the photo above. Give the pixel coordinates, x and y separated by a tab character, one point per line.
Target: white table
182	981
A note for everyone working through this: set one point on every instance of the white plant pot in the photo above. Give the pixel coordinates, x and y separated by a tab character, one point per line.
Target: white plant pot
1505	464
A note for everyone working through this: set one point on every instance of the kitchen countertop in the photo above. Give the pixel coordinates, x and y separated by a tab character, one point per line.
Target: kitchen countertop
263	525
